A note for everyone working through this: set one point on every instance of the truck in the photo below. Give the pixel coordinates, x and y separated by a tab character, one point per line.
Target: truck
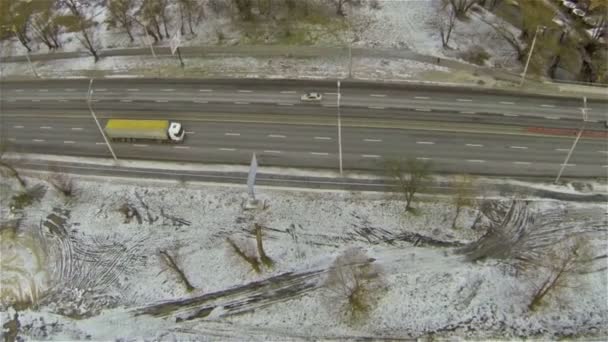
163	131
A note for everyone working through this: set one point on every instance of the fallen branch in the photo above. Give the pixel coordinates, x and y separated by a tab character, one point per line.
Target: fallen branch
252	261
267	261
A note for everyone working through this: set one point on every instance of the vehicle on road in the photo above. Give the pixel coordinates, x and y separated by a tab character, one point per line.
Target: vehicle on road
312	97
163	131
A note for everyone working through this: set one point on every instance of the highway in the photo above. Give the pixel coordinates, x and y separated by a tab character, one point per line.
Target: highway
458	130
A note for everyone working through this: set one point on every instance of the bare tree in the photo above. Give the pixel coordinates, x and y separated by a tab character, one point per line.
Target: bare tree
84	24
7	168
267	261
409	177
461	7
244	8
463	196
445	21
559	268
16	19
149	13
355	285
120	15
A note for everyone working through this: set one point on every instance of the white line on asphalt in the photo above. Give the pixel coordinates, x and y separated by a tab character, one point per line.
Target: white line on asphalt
126	100
373	140
285	104
140	145
375	107
605	152
422	97
423	109
562	149
227	149
370	156
77	128
602	165
46	127
69	142
467	112
519	147
475	145
38	140
319	153
550	117
162	100
276	136
70	89
189	132
12	139
522	163
377	95
205	90
17	126
36	100
133	89
464	100
322	138
510	114
63	100
547	106
476	161
168	89
425	142
232	134
100	143
507	102
182	147
200	101
245	91
271	151
91	101
44	90
288	92
241	103
19	90
101	89
423	158
568	164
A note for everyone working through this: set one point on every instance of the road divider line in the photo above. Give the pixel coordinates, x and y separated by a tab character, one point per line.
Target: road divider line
227	149
77	128
19	90
182	147
329	105
507	102
377	95
101	89
288	92
602	165
70	89
467	112
38	140
232	134
12	139
69	142
330	93
162	101
604	152
18	126
44	90
168	89
285	104
425	143
100	143
241	103
245	91
200	101
319	153
91	100
562	149
547	106
423	109
140	145
423	158
126	100
63	100
464	100
205	90
522	163
276	136
46	127
271	151
322	138
474	145
421	97
476	161
190	132
132	89
375	107
510	114
370	156
12	100
567	164
35	100
519	147
372	140
550	117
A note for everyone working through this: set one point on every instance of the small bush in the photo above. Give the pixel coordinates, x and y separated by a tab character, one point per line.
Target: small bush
476	55
28	197
62	183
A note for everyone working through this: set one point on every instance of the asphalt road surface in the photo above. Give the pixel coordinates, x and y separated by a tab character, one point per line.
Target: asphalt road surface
458	130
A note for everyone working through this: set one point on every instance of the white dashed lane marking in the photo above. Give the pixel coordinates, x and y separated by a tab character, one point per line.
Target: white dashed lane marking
232	134
372	140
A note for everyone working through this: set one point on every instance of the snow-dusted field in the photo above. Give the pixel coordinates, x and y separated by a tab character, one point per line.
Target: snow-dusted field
95	274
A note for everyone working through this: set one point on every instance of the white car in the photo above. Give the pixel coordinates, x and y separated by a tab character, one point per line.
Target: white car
569	4
312	97
579	12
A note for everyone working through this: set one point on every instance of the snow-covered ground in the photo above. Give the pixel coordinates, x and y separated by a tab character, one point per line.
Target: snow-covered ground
95	274
395	24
